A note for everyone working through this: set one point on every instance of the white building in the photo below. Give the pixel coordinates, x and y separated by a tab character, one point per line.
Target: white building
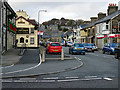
77	34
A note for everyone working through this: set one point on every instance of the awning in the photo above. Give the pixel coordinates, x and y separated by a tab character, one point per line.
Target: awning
100	36
114	35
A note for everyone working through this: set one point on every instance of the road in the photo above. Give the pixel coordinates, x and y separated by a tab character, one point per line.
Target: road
99	71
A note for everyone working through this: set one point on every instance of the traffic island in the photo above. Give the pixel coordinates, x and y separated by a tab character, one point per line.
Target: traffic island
50	67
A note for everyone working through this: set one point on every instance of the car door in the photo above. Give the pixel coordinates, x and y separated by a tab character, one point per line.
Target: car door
105	47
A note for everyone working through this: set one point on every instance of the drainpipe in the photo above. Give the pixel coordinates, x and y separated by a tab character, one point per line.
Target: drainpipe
6	30
110	29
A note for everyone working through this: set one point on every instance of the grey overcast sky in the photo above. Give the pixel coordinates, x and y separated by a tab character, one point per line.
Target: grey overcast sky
69	9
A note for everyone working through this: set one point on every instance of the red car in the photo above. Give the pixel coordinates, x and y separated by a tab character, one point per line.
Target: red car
54	47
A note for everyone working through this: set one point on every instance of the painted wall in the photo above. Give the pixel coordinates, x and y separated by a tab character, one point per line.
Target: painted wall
18	36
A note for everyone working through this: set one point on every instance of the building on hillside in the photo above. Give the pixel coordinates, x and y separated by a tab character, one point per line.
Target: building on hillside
26	36
8	27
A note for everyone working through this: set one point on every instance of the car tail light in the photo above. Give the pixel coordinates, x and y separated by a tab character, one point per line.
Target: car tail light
73	47
84	48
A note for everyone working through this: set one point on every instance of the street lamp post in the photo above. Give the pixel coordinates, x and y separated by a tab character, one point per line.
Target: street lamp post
39	22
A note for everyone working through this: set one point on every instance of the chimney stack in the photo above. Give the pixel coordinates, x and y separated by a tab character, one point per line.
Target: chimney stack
101	15
111	9
93	19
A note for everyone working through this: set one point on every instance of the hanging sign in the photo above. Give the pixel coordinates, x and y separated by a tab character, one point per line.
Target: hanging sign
11	27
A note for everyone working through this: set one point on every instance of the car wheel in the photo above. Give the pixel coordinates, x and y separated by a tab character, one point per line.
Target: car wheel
116	56
83	53
69	52
72	53
47	52
103	52
109	53
93	51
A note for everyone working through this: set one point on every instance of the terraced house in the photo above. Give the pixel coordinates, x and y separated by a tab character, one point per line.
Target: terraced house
106	28
26	36
7	27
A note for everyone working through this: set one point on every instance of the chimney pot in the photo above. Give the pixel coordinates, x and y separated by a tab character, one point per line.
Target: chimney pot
19	10
22	10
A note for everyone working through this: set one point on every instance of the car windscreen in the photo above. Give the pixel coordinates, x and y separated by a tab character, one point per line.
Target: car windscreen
78	45
88	44
112	44
55	44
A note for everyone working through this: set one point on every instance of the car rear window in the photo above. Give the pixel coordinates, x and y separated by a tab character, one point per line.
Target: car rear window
112	44
78	45
55	44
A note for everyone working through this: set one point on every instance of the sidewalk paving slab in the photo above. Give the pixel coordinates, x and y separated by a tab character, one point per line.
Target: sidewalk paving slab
10	57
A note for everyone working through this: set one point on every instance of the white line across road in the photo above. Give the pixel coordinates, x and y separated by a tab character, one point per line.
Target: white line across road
24	69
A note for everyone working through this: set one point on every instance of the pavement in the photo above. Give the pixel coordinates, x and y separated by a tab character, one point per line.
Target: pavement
30	65
10	57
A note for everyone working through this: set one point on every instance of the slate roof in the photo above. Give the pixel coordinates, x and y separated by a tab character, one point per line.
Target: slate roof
32	21
103	19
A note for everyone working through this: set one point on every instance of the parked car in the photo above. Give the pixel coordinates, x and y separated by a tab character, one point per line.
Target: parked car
63	44
109	48
89	47
69	44
77	48
54	47
117	51
94	47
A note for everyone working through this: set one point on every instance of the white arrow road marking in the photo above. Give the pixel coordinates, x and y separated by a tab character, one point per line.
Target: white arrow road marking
25	69
109	79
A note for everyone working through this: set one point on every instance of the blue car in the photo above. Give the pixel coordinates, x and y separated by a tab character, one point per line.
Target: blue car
109	48
77	48
89	47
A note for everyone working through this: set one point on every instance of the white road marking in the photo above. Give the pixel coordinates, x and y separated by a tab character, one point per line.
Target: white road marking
109	79
91	79
47	81
90	76
27	79
24	69
7	66
68	80
70	77
51	78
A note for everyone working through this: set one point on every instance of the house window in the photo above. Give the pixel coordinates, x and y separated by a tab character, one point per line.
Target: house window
106	26
21	40
26	40
118	26
32	30
32	40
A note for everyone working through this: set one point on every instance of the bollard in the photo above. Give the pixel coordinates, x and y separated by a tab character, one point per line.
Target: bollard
43	55
62	54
